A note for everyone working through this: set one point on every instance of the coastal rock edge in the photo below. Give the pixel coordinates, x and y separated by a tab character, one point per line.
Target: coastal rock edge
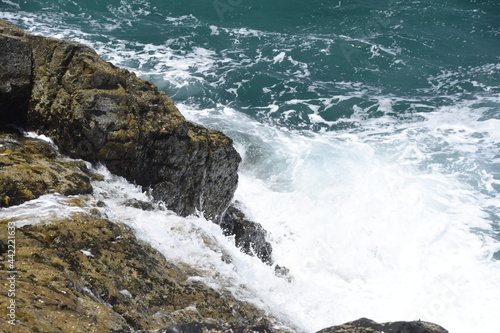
97	112
365	325
84	273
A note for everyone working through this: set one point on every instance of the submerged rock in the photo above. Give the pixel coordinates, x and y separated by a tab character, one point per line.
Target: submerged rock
30	168
364	325
87	274
100	113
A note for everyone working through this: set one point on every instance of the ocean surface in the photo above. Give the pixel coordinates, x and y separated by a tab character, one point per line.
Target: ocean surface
370	137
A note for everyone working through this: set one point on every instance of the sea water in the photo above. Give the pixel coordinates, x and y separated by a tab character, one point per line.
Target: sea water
370	138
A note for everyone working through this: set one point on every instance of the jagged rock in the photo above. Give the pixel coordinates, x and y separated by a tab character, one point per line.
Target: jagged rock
364	325
249	236
30	168
87	274
98	112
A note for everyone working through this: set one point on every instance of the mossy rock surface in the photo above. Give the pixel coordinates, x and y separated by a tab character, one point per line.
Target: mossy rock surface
30	168
98	112
87	274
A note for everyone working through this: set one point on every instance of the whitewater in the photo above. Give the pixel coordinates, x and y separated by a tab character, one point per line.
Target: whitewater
381	203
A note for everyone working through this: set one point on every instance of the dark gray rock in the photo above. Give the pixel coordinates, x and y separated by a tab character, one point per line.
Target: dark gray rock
15	75
100	113
365	325
249	236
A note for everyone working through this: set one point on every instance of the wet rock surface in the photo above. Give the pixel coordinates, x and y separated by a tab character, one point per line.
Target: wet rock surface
364	325
30	168
100	113
87	274
249	236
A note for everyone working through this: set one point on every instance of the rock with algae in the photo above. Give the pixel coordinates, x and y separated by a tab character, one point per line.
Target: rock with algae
30	168
98	112
87	274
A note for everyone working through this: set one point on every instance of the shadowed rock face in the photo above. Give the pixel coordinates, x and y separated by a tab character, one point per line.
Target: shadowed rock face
15	76
100	113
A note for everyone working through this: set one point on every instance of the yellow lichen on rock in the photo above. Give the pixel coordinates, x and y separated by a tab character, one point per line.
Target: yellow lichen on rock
29	168
87	274
98	112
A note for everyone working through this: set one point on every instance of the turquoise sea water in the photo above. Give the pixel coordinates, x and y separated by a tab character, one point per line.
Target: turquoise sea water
369	130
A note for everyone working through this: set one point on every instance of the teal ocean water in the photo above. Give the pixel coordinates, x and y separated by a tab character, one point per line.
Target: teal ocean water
369	131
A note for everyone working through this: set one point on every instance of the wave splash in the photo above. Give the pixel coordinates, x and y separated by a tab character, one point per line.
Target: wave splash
379	190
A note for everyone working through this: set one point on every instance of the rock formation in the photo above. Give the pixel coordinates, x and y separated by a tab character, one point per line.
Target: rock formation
84	273
100	113
30	168
249	236
364	325
87	274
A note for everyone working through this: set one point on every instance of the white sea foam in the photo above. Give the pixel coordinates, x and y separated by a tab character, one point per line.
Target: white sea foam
363	228
42	137
390	219
46	207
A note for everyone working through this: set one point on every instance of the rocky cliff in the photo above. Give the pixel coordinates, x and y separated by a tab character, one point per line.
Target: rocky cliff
100	113
83	272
